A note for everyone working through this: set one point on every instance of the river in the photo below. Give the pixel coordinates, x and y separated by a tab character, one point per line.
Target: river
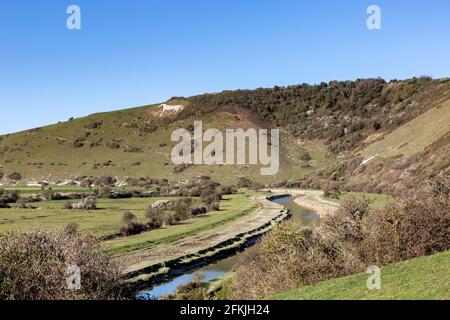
217	269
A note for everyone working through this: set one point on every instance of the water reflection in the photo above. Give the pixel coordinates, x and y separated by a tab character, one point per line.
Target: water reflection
215	270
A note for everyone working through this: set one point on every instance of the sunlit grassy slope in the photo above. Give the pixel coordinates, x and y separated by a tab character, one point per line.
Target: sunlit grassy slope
414	136
421	278
49	153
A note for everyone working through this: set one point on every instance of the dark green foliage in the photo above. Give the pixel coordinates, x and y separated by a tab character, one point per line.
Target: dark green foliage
341	113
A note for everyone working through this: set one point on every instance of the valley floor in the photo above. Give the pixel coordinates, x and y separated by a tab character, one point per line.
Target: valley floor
256	218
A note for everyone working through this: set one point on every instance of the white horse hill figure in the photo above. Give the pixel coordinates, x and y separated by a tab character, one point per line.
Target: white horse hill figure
170	108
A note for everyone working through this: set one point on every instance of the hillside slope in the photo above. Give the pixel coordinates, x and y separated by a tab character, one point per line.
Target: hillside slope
328	130
414	136
133	143
425	278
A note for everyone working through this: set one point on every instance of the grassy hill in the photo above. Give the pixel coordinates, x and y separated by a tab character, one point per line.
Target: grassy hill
421	278
327	129
414	136
136	143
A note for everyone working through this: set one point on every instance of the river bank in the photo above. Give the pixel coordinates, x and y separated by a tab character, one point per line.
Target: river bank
216	269
311	199
166	261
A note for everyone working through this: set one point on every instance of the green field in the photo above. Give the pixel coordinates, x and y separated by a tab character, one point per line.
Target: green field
232	207
106	220
50	214
422	278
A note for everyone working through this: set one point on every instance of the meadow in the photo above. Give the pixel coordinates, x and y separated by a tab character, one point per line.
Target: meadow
105	221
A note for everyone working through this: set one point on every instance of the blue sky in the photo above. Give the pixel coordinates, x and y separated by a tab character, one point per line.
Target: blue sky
136	52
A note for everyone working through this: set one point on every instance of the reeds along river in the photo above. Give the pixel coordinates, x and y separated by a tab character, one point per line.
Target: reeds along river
219	268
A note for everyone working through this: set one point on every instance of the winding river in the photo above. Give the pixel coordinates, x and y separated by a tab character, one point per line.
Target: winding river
219	268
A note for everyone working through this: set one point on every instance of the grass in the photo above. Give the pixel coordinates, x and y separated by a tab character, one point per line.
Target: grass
106	219
414	136
232	207
50	214
422	278
48	153
378	200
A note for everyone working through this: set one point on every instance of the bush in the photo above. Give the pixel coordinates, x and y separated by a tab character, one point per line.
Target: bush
215	206
9	196
209	196
88	203
71	228
155	217
23	203
68	205
15	176
104	192
34	265
347	242
169	220
105	181
130	225
288	257
305	156
183	208
346	225
4	205
332	190
195	289
199	211
408	228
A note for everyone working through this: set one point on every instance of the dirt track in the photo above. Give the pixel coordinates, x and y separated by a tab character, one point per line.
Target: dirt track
310	199
193	248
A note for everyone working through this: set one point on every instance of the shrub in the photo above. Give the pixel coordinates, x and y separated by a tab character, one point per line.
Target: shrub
332	190
346	225
305	156
79	142
47	195
130	225
23	203
199	211
104	192
71	228
408	228
15	176
183	208
346	242
195	289
68	205
179	168
4	205
113	145
105	181
288	257
169	220
155	217
215	206
9	196
209	196
34	265
94	124
88	203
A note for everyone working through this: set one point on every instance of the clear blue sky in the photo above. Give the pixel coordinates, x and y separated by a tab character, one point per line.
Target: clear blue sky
136	52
